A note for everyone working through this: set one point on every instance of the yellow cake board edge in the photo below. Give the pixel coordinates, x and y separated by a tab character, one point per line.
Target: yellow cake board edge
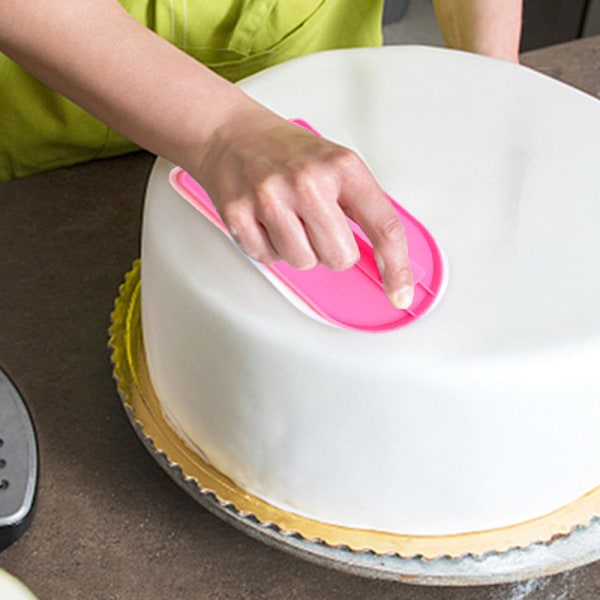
139	398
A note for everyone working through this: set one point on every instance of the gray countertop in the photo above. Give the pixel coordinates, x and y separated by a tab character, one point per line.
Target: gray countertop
109	523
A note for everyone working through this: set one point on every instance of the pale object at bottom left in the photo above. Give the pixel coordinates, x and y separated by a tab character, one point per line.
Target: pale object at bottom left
12	589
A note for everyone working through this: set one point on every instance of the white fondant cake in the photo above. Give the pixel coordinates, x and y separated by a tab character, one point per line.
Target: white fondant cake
482	414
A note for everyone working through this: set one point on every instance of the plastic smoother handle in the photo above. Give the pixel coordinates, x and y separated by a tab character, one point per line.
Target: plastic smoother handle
353	298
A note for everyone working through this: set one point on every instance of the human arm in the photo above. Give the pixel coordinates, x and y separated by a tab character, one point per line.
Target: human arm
283	192
490	27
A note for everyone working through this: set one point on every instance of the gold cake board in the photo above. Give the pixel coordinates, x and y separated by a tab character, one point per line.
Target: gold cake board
564	539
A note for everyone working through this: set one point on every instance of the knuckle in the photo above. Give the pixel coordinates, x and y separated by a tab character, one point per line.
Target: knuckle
242	227
339	261
256	250
306	176
307	182
263	256
269	205
316	190
397	271
340	257
390	228
237	220
345	159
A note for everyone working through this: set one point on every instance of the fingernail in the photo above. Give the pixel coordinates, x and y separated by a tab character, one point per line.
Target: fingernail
403	297
309	265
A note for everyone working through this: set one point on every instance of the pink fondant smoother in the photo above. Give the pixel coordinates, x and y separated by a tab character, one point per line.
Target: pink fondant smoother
354	298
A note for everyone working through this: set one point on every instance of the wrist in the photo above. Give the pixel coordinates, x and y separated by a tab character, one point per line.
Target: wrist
228	129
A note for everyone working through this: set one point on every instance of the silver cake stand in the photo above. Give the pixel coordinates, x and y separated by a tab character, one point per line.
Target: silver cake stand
572	546
576	549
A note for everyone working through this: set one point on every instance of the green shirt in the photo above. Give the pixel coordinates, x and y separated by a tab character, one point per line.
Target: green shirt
41	130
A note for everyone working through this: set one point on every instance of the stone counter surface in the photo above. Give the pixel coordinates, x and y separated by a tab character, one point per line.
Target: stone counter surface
109	523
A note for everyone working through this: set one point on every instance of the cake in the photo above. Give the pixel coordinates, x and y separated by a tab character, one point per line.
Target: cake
479	415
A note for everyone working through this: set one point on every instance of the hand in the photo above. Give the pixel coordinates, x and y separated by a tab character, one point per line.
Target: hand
285	193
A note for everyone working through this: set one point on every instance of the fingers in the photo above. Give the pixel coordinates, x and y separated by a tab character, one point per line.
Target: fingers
268	230
250	236
274	211
384	229
325	223
365	203
294	216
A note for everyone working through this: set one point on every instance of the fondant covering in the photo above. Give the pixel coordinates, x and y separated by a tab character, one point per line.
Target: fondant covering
481	414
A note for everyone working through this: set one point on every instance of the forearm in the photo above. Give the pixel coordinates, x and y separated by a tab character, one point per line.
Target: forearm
284	193
490	27
93	52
